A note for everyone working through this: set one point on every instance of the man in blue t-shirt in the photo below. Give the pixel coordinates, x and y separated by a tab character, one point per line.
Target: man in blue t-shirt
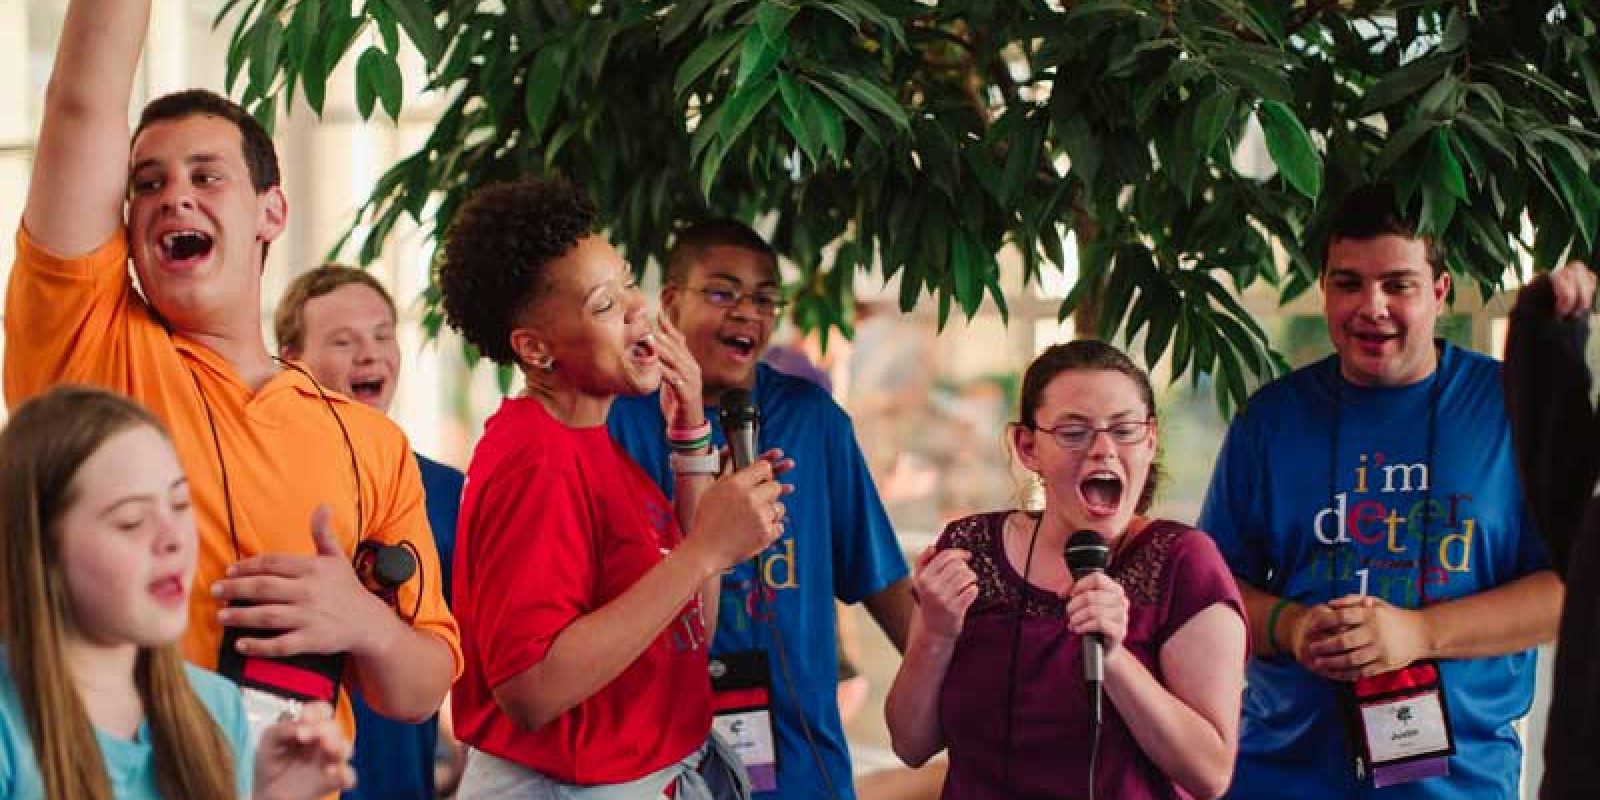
775	654
340	323
1370	508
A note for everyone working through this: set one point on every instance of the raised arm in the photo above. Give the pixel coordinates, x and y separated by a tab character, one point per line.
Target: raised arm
80	172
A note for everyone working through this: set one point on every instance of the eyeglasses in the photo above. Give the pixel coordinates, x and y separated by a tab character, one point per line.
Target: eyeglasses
768	303
1078	436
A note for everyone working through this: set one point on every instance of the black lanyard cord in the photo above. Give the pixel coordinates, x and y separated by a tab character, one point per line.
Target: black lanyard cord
222	462
1435	397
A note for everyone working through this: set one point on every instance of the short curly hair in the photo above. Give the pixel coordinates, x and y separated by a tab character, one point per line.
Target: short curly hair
498	253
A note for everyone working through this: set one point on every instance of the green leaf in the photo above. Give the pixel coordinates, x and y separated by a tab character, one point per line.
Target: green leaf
1089	7
680	19
1491	96
1401	142
1494	136
1267	82
854	112
300	35
772	18
1438	209
873	96
968	277
708	53
742	109
796	120
1577	190
389	85
541	86
1211	118
267	41
1455	31
367	68
1164	310
1291	148
757	57
1442	99
1591	83
828	123
1446	169
1402	83
386	27
417	18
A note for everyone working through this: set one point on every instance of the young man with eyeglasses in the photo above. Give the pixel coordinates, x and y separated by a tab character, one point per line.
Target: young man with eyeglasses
775	654
1370	508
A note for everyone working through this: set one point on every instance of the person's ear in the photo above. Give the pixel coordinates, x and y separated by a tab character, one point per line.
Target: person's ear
274	214
1441	288
1025	441
672	297
531	349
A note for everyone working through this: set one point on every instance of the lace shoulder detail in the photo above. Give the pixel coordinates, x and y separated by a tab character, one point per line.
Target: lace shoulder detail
999	591
1141	567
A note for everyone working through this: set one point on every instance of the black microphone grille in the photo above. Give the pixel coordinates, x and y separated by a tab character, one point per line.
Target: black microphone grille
395	565
738	406
1087	552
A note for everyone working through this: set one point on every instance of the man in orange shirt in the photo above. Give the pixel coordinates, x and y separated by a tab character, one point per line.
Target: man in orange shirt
265	447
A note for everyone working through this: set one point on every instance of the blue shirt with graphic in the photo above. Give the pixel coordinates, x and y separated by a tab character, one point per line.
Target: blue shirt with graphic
394	760
837	543
130	764
1321	491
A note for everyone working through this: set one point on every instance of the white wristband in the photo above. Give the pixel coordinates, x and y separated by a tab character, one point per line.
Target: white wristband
706	464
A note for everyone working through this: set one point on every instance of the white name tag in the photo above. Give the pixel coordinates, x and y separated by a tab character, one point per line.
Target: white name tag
749	733
264	709
1405	727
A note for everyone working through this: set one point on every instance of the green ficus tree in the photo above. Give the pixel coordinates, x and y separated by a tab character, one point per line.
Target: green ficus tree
916	139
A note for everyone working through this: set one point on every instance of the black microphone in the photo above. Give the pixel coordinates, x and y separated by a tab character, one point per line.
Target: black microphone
741	425
384	568
1087	554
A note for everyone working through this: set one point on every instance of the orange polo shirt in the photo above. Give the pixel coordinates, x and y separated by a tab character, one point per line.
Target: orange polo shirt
80	320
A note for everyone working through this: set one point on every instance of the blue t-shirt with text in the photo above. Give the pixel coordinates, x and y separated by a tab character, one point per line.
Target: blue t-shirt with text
837	543
1323	489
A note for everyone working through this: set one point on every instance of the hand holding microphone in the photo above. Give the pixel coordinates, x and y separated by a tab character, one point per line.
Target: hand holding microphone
743	511
1097	608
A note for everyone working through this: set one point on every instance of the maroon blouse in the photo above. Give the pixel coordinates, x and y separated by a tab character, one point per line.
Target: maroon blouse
1169	571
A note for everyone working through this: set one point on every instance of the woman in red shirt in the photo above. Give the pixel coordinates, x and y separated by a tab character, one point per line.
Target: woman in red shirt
586	599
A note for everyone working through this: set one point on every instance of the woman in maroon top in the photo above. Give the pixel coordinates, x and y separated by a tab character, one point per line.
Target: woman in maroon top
993	670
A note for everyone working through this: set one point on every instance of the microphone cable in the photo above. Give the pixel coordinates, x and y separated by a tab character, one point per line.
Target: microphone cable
737	407
787	676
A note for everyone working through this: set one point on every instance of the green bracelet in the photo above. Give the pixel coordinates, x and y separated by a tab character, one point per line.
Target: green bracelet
1272	624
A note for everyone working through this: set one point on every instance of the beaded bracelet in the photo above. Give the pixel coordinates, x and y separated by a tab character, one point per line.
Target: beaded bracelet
689	445
690	440
680	434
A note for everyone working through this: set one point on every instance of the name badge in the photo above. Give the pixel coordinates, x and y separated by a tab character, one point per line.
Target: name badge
1405	724
741	686
262	710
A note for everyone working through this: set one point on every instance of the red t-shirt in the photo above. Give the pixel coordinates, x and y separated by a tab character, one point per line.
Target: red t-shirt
555	523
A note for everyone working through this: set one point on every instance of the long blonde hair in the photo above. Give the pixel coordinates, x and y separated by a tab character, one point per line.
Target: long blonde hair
41	450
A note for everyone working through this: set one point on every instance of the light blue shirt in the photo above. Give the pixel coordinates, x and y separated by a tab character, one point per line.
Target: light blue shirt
129	763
